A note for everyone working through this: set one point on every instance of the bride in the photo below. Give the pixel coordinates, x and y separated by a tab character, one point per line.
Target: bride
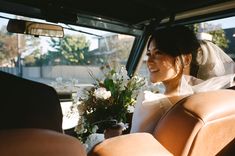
183	65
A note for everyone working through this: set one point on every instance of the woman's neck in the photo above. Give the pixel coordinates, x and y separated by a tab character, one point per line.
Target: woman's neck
172	86
172	90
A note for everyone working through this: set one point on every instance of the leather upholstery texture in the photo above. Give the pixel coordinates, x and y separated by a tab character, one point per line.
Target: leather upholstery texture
38	142
202	124
135	144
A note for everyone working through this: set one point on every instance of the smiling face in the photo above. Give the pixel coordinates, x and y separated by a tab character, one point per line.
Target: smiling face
161	66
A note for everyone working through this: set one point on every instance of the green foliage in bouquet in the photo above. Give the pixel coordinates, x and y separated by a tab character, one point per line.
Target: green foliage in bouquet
108	100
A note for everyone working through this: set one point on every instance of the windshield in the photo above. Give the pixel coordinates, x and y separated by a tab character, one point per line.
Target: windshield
63	63
46	59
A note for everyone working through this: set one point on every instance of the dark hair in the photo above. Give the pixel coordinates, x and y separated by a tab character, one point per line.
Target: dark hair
175	40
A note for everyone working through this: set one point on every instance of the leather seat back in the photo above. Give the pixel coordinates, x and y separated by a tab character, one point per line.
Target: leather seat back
201	124
135	144
38	142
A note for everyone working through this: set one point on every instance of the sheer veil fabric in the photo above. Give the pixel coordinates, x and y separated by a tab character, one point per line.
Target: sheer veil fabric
216	71
213	61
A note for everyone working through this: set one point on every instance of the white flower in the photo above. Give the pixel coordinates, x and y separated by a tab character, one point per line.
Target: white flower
123	126
102	93
123	73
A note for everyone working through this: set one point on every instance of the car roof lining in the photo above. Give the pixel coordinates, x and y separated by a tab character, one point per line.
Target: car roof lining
205	13
134	13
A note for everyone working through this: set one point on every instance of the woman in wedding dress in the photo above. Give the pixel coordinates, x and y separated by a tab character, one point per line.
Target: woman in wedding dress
183	66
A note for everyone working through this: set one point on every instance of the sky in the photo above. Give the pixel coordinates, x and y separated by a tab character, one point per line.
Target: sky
225	23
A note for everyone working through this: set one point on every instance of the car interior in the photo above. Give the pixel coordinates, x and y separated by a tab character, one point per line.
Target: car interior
60	43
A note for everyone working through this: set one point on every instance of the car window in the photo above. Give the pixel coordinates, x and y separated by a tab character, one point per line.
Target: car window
220	31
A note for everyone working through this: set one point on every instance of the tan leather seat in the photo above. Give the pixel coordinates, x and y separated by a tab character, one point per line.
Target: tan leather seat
38	142
199	125
202	124
135	144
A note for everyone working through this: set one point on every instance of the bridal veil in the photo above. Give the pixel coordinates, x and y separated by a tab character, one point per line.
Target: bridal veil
215	70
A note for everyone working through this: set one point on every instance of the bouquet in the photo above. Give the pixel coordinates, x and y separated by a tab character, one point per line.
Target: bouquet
107	102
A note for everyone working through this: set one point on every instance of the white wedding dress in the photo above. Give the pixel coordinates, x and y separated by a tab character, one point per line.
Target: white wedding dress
211	75
148	110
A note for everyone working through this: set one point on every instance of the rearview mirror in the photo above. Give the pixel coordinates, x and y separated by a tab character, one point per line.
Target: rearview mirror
34	28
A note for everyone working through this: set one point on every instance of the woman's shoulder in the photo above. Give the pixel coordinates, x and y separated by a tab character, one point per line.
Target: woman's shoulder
148	98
